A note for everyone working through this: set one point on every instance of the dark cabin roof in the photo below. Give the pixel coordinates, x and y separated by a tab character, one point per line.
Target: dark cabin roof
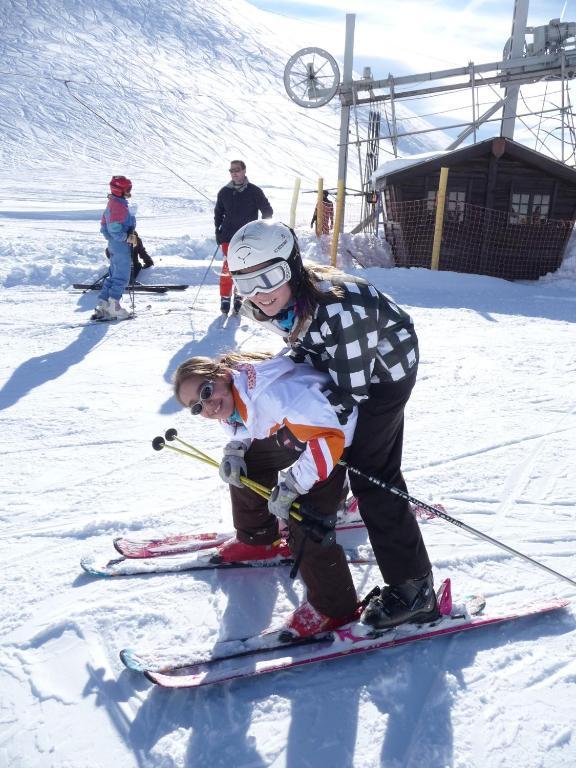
387	175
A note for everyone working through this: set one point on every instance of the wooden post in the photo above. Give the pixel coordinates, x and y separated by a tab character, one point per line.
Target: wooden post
295	194
337	221
320	207
440	205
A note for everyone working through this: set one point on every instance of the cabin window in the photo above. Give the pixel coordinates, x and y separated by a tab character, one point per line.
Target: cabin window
529	207
540	207
455	201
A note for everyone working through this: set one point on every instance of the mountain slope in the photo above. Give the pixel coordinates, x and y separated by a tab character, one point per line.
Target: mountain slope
182	85
165	93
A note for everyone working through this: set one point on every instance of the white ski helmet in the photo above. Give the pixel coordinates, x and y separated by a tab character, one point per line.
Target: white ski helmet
258	242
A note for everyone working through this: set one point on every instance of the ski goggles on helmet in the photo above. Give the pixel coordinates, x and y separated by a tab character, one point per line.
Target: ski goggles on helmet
206	392
263	280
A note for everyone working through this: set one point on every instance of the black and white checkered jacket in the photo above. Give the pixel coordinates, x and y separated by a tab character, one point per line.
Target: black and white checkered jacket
360	339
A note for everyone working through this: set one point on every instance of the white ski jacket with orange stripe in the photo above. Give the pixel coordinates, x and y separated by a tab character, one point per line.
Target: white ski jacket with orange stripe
278	393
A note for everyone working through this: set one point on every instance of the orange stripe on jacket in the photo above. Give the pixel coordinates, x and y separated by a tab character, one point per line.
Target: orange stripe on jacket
240	405
334	438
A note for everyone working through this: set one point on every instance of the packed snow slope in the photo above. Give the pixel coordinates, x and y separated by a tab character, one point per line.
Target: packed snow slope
490	434
166	94
179	83
490	428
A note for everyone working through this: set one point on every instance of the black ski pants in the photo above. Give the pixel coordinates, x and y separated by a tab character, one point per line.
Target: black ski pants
377	450
324	570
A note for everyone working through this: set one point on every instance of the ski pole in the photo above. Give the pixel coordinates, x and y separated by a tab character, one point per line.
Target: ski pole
95	283
171	435
132	282
454	521
204	277
159	443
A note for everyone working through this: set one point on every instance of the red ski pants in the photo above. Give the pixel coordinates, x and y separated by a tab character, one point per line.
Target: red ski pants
226	284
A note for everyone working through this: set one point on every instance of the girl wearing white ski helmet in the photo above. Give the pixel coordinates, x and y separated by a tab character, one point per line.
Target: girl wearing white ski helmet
344	326
267	268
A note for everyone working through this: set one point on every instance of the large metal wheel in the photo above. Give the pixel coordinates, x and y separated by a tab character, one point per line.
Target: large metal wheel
311	77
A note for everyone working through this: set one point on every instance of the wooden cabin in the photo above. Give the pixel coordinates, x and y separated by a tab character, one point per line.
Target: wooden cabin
509	210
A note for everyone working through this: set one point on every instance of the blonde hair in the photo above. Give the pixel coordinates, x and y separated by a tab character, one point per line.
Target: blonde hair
325	271
211	368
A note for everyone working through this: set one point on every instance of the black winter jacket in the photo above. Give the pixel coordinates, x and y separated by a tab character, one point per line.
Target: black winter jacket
234	209
361	339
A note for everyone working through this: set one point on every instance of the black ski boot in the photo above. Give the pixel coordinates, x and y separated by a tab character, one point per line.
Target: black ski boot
224	305
413	602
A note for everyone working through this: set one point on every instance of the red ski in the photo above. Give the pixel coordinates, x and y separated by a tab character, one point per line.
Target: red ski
203	560
183	543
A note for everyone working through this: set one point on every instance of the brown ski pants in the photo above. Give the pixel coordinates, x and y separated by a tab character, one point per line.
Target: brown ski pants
324	569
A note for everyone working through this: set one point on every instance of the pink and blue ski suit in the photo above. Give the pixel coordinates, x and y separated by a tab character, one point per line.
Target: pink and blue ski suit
116	224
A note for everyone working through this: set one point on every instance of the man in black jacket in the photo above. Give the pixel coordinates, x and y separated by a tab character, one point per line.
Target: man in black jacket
237	203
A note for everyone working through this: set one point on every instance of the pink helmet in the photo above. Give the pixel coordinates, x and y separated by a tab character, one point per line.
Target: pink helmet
119	185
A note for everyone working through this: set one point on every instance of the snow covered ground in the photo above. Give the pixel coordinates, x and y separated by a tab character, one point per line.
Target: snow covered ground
490	434
490	431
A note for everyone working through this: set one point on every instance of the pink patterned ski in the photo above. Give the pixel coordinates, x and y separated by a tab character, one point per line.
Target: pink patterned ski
178	544
183	543
251	658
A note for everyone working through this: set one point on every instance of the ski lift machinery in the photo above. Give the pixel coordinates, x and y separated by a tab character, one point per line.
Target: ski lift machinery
312	79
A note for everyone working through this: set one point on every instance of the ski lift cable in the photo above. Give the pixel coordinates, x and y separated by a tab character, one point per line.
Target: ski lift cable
550	133
454	125
519	117
479	104
104	86
541	115
571	127
119	132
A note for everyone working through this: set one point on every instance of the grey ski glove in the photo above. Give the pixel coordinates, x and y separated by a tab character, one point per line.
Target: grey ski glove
233	464
283	495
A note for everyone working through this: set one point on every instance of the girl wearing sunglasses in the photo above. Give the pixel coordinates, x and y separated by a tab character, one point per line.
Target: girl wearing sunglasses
366	344
278	417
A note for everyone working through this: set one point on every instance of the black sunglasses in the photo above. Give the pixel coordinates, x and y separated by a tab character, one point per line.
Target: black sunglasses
206	392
